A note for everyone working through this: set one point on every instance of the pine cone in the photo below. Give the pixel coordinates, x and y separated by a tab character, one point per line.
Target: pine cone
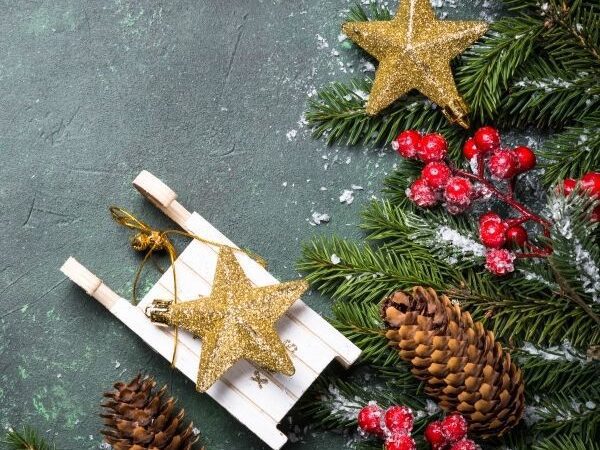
463	367
137	418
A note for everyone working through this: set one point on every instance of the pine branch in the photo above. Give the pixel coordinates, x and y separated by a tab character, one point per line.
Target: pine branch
437	235
541	320
574	152
333	403
545	95
576	256
488	66
567	417
567	442
338	113
544	373
362	13
572	35
361	323
364	275
27	439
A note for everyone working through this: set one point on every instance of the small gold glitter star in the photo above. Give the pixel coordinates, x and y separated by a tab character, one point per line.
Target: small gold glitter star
236	321
414	51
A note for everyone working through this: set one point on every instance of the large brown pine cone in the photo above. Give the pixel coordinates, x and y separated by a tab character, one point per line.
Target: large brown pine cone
137	418
463	367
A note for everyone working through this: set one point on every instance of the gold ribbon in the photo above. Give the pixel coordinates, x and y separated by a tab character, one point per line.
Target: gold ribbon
150	240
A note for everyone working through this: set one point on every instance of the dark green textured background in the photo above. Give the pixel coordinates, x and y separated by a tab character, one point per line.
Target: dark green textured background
208	95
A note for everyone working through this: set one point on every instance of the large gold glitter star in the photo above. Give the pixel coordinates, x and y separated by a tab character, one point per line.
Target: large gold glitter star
414	51
236	321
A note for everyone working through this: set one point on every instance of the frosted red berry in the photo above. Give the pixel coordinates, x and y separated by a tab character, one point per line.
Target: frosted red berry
569	185
590	183
407	143
436	174
399	419
503	164
400	441
492	234
525	158
433	147
434	434
489	216
422	194
487	139
458	191
516	235
499	261
465	444
454	427
369	419
470	148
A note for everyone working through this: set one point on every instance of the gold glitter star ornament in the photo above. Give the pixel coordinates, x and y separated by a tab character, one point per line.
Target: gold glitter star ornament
236	321
414	51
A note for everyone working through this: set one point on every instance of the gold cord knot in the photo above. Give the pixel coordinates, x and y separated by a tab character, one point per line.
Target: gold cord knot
153	240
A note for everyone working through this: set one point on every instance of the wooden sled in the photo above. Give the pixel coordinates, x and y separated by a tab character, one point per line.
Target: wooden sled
257	398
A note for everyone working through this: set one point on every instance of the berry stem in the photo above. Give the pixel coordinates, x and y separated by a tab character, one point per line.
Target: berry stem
480	166
526	214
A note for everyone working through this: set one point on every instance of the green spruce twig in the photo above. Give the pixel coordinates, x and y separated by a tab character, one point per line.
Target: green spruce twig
26	439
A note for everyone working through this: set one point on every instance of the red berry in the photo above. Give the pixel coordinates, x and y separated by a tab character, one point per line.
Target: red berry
489	216
433	147
458	191
436	174
421	194
407	143
569	185
400	441
434	433
470	148
369	419
516	235
465	444
499	261
399	419
525	158
595	216
492	234
455	427
590	182
487	139
503	164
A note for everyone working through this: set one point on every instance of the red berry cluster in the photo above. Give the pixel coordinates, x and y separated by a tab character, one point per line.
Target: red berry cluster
395	425
588	184
437	181
449	434
502	163
458	188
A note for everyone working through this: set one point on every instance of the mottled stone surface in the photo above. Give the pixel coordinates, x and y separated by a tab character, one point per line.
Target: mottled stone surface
208	95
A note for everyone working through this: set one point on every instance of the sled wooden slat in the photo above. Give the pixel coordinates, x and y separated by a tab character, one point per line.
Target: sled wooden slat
257	398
